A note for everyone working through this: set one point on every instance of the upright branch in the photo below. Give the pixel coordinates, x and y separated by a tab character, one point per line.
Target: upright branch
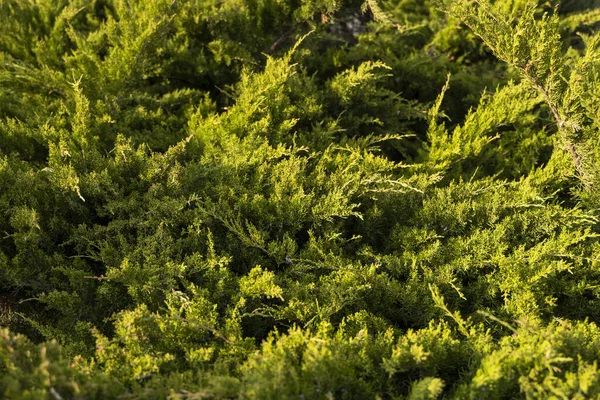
533	46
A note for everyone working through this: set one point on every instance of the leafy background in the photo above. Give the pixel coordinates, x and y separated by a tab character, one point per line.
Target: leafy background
307	199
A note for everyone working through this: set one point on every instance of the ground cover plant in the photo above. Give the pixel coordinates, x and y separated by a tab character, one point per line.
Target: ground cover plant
299	199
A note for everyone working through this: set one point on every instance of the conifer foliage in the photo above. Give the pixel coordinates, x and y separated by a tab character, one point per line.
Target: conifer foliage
307	199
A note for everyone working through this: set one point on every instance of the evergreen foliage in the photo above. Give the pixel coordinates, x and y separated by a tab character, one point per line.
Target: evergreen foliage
307	199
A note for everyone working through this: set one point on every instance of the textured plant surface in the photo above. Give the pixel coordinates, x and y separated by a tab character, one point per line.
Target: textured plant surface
299	199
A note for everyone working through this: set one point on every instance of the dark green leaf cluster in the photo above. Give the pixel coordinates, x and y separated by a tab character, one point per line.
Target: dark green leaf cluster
306	199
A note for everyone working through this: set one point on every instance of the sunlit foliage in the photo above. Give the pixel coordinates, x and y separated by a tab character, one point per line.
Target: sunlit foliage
307	199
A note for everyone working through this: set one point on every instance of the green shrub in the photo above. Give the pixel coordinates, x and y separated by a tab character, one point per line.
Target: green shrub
319	199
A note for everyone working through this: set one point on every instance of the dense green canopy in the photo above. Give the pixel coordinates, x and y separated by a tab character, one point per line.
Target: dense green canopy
299	199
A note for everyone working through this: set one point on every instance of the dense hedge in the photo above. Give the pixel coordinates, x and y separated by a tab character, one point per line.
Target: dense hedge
303	199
